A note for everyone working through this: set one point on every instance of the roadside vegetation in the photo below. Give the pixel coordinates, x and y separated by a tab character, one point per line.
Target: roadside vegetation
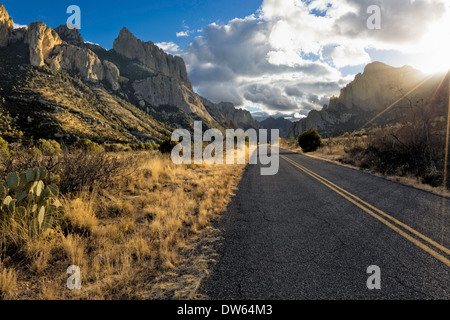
309	140
138	226
411	153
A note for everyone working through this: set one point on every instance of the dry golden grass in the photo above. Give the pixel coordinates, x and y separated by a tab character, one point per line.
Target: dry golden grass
8	283
148	236
80	211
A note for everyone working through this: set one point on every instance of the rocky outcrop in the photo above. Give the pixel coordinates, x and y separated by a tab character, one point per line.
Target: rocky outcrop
242	118
367	95
81	60
112	75
73	55
6	26
71	36
18	35
161	90
330	121
231	117
159	81
42	40
378	86
128	46
218	114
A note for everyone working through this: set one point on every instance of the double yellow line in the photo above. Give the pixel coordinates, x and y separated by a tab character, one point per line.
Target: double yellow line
420	240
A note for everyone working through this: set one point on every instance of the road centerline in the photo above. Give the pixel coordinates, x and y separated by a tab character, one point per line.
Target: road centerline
378	214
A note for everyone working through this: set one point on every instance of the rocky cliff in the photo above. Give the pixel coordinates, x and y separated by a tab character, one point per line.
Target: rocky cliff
230	116
364	98
138	72
53	86
71	36
41	40
157	82
6	26
128	46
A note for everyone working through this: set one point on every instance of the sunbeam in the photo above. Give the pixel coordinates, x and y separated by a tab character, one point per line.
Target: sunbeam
397	101
445	170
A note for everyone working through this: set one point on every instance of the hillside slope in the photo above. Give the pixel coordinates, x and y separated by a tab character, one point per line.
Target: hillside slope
38	102
55	85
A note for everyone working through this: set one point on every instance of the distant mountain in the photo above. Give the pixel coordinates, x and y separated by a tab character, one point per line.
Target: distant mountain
55	85
367	97
280	123
229	116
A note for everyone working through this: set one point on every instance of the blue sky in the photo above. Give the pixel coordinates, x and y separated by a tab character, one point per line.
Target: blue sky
272	57
157	21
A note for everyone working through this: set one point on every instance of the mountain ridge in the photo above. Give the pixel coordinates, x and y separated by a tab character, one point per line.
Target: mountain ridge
279	123
146	91
373	98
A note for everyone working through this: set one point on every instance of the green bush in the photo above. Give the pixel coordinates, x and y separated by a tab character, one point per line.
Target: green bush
148	146
151	146
49	147
117	147
138	146
35	152
4	150
89	146
309	140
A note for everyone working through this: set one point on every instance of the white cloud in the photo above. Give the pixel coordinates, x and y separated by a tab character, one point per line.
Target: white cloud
89	42
284	54
349	56
169	47
182	34
18	26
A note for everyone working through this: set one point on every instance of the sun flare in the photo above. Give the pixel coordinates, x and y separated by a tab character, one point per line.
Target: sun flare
435	49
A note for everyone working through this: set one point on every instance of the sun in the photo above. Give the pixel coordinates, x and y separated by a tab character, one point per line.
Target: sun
434	49
434	62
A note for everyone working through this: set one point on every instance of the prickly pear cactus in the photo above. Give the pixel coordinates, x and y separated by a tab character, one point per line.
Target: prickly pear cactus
25	198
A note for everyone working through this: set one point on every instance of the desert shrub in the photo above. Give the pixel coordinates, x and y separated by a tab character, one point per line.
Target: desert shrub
80	169
88	145
4	150
405	151
49	147
138	146
167	145
117	147
21	158
151	146
147	146
35	152
309	140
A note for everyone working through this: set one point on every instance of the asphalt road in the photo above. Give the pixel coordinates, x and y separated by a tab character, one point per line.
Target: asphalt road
312	230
